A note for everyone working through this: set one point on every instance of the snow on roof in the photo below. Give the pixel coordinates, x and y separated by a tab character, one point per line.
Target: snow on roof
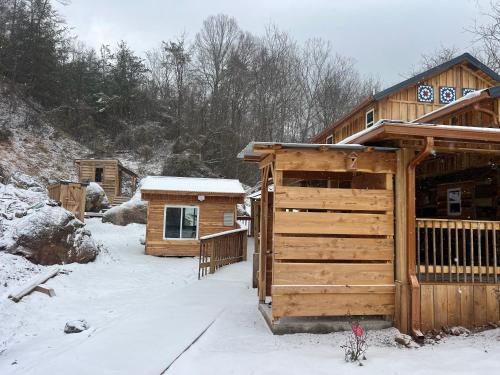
192	184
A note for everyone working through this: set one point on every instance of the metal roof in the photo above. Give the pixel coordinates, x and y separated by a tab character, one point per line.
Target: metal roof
436	70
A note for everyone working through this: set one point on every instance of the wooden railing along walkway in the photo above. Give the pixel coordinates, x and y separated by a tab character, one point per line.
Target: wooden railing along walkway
246	222
462	251
220	249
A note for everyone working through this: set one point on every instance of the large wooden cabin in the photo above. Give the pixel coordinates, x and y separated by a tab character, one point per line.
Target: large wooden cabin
110	174
183	209
414	97
399	219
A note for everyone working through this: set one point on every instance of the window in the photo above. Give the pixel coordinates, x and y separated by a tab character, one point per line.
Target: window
370	118
98	174
329	140
181	222
228	219
454	202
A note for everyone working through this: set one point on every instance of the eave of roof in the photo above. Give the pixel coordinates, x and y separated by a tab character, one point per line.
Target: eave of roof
386	129
256	151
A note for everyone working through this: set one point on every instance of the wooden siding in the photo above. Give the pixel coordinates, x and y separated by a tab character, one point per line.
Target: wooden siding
211	220
458	304
403	105
333	247
71	196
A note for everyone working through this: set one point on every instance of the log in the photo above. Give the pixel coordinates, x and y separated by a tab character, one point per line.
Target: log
33	284
42	288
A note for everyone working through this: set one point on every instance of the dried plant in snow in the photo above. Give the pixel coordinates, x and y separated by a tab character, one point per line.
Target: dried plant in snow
356	345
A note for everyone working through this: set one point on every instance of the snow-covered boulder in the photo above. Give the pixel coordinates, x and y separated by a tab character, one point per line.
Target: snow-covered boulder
95	198
132	211
23	181
37	228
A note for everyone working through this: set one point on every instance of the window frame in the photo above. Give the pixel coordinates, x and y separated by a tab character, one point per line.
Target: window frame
448	203
329	137
180	227
367	125
101	174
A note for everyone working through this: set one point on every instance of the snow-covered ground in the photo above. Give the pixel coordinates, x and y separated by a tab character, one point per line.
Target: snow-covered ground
145	311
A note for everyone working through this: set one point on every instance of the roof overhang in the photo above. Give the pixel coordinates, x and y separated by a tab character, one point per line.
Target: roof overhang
257	151
385	130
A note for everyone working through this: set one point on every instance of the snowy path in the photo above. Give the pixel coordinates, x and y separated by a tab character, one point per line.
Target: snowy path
144	311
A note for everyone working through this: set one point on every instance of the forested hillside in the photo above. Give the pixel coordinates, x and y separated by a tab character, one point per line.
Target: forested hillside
190	104
208	97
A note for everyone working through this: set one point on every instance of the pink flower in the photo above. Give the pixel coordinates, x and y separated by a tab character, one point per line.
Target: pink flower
357	329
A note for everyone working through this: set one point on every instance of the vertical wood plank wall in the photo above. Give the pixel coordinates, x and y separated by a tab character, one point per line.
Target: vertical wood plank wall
468	305
211	220
403	105
333	248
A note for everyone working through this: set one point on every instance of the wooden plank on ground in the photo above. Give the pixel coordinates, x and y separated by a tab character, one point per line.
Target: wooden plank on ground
328	248
333	223
26	289
334	199
333	273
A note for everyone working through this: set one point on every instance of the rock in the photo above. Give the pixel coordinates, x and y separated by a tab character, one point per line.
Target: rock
24	181
458	331
49	235
20	214
95	198
76	326
132	211
403	339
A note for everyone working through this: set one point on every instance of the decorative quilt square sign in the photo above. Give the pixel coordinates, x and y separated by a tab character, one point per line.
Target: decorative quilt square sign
466	91
425	93
447	94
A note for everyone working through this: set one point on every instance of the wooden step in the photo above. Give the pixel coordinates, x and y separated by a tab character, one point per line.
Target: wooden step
119	199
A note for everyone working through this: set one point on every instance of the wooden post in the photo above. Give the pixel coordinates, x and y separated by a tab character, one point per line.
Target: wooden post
263	234
244	245
212	256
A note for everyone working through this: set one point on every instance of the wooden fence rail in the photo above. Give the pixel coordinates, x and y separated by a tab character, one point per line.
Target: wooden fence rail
462	251
220	249
246	222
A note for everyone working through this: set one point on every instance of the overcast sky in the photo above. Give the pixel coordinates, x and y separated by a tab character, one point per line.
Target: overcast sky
386	37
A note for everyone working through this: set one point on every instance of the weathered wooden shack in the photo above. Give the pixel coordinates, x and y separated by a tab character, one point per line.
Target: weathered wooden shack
181	210
414	97
110	174
71	196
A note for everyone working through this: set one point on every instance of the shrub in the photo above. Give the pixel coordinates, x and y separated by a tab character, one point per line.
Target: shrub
145	152
356	345
5	134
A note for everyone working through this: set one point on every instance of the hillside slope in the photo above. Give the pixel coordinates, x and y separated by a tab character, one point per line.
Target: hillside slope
32	146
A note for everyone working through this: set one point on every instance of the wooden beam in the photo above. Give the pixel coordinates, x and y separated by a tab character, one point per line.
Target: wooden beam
32	284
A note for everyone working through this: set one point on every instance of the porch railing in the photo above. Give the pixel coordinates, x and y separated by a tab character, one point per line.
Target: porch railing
220	249
246	222
462	251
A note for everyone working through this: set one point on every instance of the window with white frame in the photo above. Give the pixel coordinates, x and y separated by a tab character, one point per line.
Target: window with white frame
181	223
370	117
454	200
329	140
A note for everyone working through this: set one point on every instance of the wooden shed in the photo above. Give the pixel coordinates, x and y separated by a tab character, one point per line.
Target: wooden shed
71	196
183	209
110	174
